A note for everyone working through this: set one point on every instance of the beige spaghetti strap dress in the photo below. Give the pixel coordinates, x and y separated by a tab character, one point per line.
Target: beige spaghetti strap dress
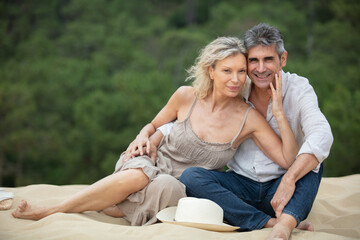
179	150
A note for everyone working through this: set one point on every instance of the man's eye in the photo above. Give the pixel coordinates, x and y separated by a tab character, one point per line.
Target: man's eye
269	59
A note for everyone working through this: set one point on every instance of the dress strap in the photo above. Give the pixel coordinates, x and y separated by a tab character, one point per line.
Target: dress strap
191	109
242	125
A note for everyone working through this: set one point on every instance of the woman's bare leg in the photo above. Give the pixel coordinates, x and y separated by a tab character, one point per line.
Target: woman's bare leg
104	193
113	211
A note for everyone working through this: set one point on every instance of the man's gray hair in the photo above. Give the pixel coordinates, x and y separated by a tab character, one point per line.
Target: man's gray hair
265	35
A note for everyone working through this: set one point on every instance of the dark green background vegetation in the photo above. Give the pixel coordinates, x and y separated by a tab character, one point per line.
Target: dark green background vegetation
79	78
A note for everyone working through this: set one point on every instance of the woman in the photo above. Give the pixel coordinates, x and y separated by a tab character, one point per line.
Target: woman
212	121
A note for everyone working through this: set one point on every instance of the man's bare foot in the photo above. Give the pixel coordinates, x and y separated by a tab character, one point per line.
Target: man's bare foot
279	232
307	226
113	211
25	211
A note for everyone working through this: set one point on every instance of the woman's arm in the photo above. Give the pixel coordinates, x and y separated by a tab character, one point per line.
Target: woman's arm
167	114
150	149
141	141
281	150
287	136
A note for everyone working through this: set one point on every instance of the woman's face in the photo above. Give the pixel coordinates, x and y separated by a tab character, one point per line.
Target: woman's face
229	75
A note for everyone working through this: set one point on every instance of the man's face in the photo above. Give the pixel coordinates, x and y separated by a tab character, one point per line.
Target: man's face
263	64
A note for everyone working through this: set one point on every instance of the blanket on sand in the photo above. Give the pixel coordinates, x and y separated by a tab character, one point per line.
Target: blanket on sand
335	215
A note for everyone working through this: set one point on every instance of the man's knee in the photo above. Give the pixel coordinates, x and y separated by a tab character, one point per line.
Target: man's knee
190	175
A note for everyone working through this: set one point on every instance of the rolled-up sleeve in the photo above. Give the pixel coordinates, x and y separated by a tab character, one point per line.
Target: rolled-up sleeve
317	131
165	129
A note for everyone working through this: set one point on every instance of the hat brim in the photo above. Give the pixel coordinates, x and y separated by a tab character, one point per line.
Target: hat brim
5	195
167	216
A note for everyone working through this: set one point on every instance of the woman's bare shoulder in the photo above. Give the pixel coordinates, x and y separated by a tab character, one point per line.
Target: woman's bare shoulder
186	90
255	119
185	93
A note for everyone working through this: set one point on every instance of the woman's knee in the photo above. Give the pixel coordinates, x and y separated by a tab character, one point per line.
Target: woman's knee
137	178
169	188
167	183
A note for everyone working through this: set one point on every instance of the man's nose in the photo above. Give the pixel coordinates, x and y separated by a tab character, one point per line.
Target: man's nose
261	67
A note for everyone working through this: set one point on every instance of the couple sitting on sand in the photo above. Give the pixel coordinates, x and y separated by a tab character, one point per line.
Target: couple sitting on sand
222	119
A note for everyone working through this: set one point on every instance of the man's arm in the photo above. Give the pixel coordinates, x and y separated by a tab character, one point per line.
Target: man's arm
318	137
155	140
303	164
165	129
315	148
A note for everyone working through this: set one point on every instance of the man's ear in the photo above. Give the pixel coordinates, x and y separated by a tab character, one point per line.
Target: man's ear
283	59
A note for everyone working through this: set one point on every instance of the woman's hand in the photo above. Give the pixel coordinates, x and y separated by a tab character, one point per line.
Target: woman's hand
144	145
152	153
276	96
137	147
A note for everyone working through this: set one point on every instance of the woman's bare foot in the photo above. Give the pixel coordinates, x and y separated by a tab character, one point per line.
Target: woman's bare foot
25	211
113	211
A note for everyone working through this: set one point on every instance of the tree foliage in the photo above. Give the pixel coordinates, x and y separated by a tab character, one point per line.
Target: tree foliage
79	79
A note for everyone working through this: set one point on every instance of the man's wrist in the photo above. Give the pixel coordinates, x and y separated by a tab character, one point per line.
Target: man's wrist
279	116
289	176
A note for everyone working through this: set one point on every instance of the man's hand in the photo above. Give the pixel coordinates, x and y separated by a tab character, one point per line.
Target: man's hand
282	195
152	152
303	164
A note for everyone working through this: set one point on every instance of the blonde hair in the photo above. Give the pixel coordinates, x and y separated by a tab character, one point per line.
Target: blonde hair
217	50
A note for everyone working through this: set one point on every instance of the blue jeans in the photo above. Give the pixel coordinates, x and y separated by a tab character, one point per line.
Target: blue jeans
246	203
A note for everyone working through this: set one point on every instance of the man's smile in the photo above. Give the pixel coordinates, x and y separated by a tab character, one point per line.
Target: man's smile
262	76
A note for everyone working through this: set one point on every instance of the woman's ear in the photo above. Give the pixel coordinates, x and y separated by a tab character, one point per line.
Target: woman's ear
211	72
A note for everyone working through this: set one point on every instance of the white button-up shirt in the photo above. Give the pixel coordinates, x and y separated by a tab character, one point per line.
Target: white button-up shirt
311	129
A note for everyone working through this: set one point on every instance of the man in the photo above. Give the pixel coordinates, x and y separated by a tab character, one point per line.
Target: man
256	192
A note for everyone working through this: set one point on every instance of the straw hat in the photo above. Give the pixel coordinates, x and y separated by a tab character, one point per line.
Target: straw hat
6	199
196	212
